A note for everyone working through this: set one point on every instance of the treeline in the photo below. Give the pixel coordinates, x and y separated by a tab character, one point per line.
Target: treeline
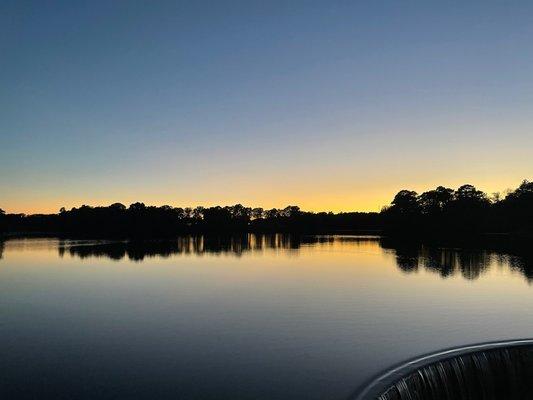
139	220
466	210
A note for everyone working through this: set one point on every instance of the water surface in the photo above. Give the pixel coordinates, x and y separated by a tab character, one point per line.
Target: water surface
248	317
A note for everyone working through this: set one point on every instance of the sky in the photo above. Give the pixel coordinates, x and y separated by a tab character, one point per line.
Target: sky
329	105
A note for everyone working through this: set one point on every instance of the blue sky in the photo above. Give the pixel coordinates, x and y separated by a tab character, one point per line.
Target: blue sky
329	105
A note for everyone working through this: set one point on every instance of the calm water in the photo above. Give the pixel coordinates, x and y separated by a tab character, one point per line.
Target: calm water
253	317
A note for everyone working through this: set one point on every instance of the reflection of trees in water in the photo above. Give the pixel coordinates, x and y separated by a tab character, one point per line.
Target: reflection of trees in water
1	249
235	245
407	263
473	264
137	251
448	262
406	256
522	264
410	257
442	261
469	263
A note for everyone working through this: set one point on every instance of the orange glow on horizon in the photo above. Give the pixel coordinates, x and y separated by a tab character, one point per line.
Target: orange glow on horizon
336	200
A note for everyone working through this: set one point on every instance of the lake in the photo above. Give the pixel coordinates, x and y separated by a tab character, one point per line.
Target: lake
246	317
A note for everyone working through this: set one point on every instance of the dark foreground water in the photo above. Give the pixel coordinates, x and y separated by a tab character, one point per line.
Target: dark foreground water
251	317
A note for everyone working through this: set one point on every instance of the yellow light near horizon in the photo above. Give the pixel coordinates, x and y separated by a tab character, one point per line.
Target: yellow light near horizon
336	198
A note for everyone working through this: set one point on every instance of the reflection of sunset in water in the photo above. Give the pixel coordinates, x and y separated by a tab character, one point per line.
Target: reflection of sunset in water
236	309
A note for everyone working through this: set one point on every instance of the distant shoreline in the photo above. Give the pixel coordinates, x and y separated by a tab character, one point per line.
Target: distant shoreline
67	235
378	234
441	212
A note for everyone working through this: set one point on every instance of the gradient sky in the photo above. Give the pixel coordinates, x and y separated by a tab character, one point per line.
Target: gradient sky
331	105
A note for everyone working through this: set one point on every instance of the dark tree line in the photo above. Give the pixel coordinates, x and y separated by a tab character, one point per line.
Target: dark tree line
443	210
139	220
465	210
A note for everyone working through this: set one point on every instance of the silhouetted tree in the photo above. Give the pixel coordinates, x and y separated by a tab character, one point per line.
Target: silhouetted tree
435	201
120	206
469	210
257	213
404	212
290	211
2	220
272	213
406	202
469	196
137	207
517	208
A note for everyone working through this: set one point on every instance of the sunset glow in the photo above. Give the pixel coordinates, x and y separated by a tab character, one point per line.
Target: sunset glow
329	106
